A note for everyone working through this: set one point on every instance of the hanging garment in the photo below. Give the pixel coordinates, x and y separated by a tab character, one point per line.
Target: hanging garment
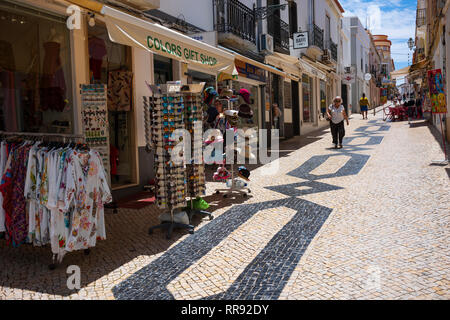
97	50
7	85
53	85
3	158
86	190
119	90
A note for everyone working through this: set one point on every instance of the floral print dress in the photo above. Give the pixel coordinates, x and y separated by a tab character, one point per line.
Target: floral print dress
86	190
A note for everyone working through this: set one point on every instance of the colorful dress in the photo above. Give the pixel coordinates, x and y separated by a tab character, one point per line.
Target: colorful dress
86	190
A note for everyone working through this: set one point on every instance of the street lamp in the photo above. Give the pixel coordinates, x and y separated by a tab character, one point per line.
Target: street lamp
410	46
264	12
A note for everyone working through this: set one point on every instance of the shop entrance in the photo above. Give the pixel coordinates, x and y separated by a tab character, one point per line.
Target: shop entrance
110	63
344	97
277	109
295	108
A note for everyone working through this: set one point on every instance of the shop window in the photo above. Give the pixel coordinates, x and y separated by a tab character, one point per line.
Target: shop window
323	99
198	77
254	103
163	69
35	71
110	63
307	98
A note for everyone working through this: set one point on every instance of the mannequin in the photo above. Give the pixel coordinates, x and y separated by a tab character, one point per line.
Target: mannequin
54	36
53	85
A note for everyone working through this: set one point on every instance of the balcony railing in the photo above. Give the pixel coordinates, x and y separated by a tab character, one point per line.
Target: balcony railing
333	49
421	17
279	30
316	35
235	17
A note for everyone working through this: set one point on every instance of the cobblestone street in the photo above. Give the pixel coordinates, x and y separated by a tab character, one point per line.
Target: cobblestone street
369	221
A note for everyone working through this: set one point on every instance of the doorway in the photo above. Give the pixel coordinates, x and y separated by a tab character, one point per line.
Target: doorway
344	97
295	108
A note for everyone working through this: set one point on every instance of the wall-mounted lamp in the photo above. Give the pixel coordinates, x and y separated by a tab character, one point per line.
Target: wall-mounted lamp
91	20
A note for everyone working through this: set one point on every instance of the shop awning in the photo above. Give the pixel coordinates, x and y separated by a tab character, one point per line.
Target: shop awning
288	64
258	64
311	69
422	64
400	73
133	31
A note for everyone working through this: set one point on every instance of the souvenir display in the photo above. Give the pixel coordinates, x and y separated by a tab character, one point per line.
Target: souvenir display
195	170
228	120
167	112
95	121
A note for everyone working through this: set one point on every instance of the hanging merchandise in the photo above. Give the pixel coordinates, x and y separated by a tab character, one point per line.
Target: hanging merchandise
119	90
222	174
95	121
166	106
194	121
170	108
41	187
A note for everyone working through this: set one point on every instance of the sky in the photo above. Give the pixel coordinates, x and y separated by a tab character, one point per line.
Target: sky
395	18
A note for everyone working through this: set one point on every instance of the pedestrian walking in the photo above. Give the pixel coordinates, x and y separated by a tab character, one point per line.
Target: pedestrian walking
364	105
336	114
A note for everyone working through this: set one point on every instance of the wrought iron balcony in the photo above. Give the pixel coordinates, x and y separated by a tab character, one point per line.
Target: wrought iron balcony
279	30
316	36
235	17
421	17
333	49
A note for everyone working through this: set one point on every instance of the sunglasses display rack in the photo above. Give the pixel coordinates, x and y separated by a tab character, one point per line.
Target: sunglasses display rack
95	121
195	168
167	114
233	187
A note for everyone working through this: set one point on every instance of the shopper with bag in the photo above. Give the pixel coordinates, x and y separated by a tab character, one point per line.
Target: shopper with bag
336	114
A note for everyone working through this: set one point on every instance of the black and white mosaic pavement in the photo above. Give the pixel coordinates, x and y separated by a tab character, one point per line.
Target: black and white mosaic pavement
267	274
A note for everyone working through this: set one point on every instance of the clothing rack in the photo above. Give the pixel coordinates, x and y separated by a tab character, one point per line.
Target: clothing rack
65	138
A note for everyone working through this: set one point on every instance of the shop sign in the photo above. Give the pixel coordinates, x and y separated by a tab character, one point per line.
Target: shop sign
169	47
437	94
250	71
206	37
300	40
136	32
348	78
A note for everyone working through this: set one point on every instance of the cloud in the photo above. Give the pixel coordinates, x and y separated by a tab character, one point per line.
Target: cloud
395	18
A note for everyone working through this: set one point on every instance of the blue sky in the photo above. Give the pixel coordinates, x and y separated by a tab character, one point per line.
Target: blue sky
396	18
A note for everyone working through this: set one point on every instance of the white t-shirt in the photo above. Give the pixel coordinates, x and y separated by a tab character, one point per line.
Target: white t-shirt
337	115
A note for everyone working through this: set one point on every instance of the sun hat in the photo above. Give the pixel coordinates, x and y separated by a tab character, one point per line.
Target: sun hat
245	94
243	173
231	113
245	111
226	93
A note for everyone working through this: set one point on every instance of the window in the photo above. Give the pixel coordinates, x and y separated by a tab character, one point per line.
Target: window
323	98
293	24
35	71
327	30
307	98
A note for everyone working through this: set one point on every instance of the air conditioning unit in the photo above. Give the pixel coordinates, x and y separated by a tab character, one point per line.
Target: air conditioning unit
266	43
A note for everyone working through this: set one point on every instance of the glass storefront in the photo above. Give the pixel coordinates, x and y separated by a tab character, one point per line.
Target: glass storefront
110	63
35	71
198	77
162	69
307	98
323	99
254	99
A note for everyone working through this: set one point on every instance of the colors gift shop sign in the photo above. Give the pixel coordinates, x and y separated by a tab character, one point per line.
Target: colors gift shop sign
135	32
437	94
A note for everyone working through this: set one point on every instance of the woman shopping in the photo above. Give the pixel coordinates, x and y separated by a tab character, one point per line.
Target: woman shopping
336	114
